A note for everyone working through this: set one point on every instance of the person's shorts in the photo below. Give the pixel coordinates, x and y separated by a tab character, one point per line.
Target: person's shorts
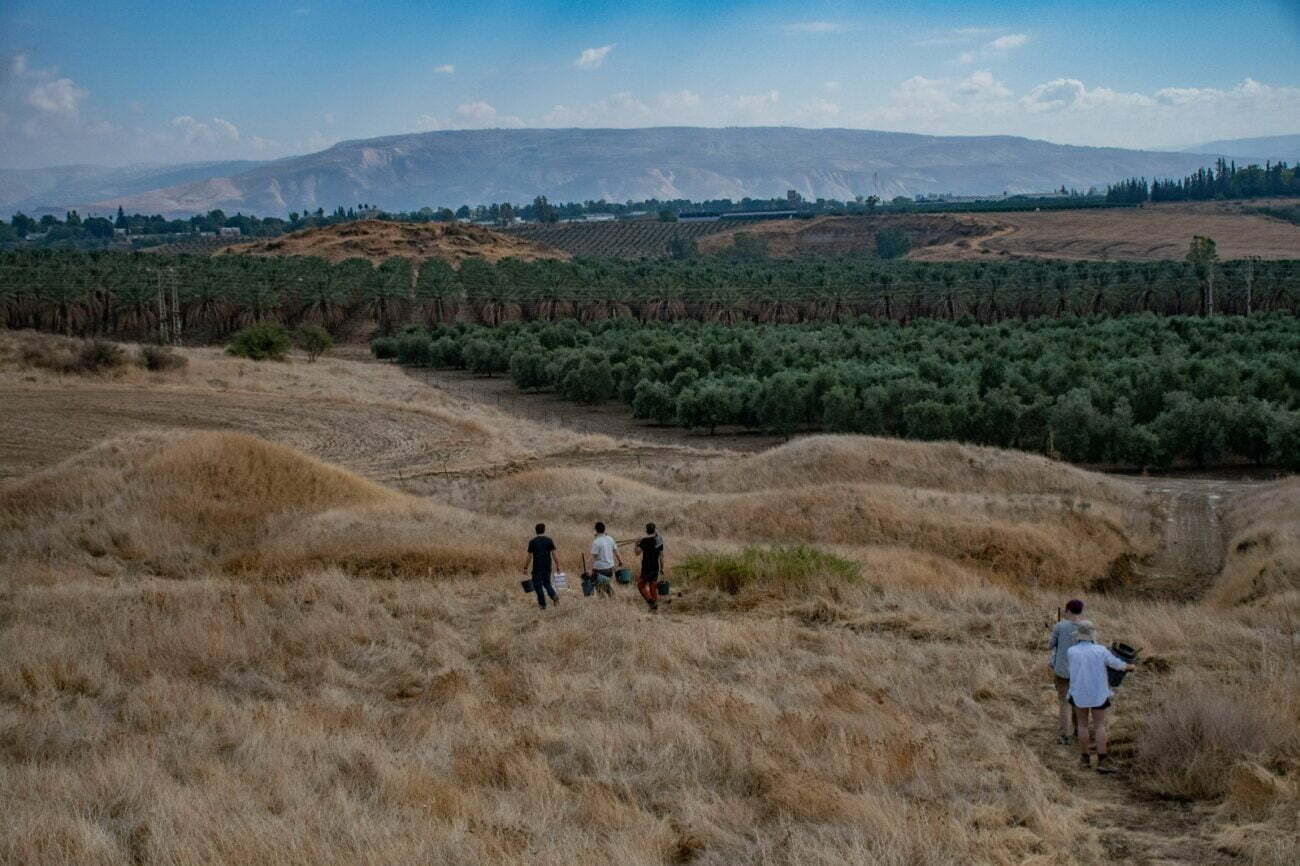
649	577
1105	706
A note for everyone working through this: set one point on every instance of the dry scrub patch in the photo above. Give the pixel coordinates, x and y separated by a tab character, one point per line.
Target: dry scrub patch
331	720
377	240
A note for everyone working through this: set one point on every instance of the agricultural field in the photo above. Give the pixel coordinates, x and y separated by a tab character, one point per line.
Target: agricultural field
624	239
115	294
1140	391
1150	233
215	619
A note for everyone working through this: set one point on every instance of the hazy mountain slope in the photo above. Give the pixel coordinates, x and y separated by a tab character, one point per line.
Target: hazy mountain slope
63	186
474	166
1274	147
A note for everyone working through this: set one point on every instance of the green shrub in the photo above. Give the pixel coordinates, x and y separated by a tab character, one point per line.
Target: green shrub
314	340
160	358
486	357
265	342
97	355
654	401
414	350
790	568
384	348
892	243
528	368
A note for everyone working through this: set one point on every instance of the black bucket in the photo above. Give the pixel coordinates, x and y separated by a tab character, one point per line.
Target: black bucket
1128	655
527	585
588	586
663	587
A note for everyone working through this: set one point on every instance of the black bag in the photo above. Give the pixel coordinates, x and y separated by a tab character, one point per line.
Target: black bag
527	585
1126	653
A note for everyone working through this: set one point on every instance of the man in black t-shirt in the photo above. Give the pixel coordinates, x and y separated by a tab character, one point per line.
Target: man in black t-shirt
651	551
541	555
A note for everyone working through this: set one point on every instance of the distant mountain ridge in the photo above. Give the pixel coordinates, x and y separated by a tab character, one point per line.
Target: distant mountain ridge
1284	148
36	190
449	168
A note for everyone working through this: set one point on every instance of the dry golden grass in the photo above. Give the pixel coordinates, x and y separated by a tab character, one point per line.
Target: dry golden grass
1263	554
217	649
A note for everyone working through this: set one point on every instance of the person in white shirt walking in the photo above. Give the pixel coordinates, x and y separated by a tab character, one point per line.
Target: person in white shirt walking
1063	636
604	557
1090	692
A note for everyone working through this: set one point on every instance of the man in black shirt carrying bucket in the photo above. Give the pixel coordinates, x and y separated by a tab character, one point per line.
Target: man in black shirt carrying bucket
541	553
651	551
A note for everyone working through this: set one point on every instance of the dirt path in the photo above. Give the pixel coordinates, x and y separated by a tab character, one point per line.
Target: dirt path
1192	551
1133	827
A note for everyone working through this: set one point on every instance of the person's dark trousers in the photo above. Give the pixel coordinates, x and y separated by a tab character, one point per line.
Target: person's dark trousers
542	586
649	587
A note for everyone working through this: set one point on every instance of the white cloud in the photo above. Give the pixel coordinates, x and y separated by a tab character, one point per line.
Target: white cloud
479	114
1001	46
328	117
591	58
1008	42
832	86
445	69
815	27
1067	110
757	107
199	135
56	97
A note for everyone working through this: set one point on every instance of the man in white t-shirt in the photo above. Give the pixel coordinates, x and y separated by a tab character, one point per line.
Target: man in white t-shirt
604	557
1090	692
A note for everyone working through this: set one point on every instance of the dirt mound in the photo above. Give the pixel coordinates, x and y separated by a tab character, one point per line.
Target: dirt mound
842	235
995	515
948	466
377	240
181	504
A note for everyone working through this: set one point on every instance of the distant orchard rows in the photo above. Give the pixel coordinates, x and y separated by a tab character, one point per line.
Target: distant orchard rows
1139	390
115	293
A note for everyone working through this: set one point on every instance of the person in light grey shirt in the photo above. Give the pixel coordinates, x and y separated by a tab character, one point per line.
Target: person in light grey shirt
1090	692
1062	638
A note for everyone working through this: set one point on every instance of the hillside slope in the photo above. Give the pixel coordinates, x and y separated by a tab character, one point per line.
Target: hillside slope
479	166
377	240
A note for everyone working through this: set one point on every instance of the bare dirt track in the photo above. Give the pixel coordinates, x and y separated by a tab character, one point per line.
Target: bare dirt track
1139	234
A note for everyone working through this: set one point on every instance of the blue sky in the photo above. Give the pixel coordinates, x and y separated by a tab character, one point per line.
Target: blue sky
125	82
